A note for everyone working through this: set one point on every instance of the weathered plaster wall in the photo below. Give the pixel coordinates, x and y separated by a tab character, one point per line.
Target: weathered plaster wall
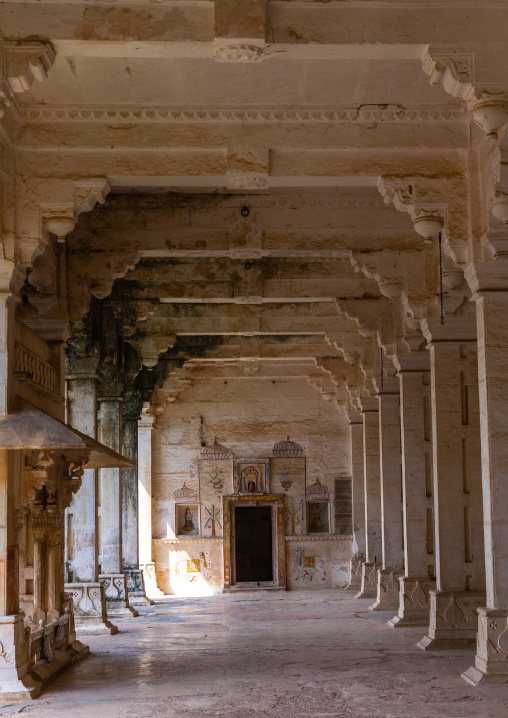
249	415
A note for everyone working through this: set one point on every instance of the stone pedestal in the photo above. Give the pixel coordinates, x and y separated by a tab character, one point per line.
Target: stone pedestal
150	580
491	662
387	590
414	602
453	620
368	588
117	595
90	613
136	587
16	684
355	574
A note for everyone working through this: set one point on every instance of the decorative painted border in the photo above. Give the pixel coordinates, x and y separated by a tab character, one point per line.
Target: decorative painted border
276	501
236	481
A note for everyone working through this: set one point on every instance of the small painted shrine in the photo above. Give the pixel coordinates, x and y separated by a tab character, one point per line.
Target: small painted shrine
248	523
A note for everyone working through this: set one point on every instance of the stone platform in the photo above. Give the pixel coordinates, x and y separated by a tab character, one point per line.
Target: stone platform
268	655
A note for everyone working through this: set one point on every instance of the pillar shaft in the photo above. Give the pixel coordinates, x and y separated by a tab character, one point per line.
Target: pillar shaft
372	492
145	429
130	558
358	486
492	647
358	490
372	474
391	503
418	523
110	481
460	571
82	415
391	481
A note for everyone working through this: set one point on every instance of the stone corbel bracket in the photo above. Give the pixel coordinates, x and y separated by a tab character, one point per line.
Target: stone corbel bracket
21	64
489	104
422	199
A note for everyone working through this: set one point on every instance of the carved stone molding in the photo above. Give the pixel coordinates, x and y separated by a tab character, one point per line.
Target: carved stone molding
355	573
488	104
252	181
428	219
297	539
89	193
187	540
453	619
376	113
23	64
414	601
239	52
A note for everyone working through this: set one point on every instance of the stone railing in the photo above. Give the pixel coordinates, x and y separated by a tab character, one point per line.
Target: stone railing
34	361
29	367
45	640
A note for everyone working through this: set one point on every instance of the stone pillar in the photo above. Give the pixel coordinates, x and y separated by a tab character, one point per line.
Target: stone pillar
110	513
145	428
357	485
130	553
391	498
416	445
491	663
39	610
82	555
460	565
372	493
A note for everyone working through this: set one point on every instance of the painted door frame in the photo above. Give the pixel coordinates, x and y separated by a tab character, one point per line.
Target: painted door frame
276	503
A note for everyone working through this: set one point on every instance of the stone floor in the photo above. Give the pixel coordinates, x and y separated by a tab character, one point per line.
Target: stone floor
297	655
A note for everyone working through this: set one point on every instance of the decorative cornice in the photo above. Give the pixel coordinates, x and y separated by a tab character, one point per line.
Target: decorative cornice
296	539
152	203
371	113
188	540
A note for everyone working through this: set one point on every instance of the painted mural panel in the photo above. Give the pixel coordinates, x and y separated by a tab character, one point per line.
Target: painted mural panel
195	569
251	476
294	516
317	563
318	517
187	519
287	476
211	519
215	479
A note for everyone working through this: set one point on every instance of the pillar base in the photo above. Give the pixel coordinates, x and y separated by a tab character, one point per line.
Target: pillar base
136	587
89	607
16	683
355	574
20	689
491	662
453	620
150	580
45	672
117	596
387	590
369	581
414	602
